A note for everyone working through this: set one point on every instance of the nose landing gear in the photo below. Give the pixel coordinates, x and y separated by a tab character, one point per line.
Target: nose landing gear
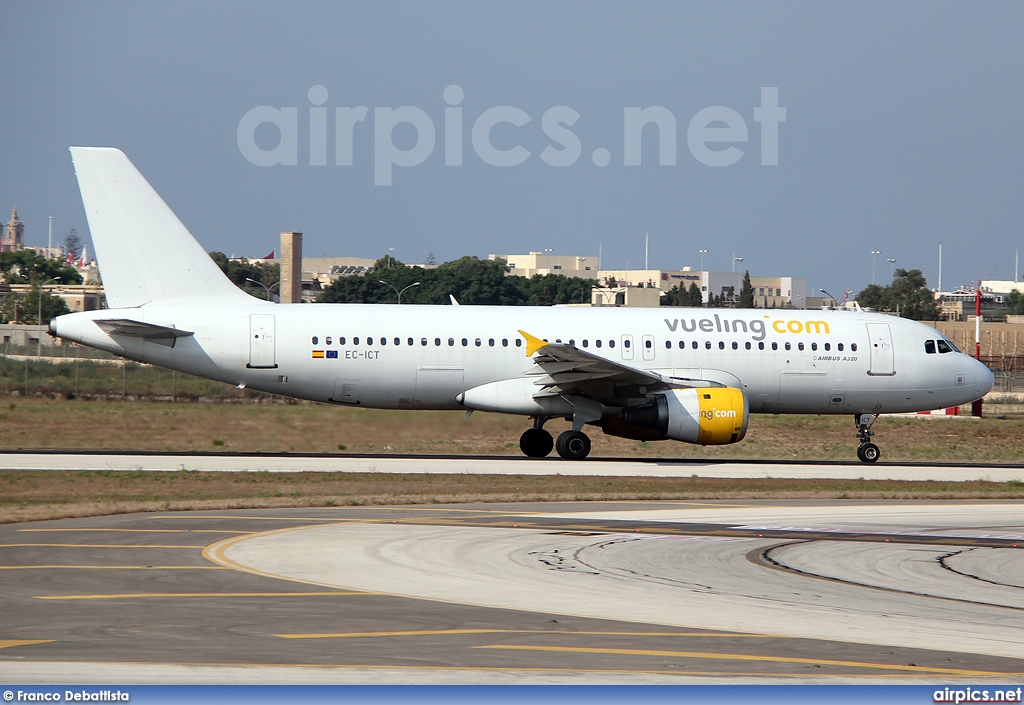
868	452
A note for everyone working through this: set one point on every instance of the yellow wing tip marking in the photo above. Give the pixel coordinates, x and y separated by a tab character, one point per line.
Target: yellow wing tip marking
533	344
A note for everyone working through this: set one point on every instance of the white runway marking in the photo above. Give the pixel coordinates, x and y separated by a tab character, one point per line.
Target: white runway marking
692	582
499	466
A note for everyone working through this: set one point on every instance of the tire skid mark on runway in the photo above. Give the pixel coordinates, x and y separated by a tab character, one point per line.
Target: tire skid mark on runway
135	595
112	567
140	531
93	545
944	564
763	558
750	657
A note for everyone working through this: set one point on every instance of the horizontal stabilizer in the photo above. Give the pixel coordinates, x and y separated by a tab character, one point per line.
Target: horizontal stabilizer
148	331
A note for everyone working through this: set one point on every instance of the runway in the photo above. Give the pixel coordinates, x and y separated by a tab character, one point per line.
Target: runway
641	592
512	465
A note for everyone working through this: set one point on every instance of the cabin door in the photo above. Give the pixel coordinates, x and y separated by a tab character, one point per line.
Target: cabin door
261	341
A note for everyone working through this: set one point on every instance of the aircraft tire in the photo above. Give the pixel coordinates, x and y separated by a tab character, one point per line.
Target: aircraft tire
868	453
573	445
536	443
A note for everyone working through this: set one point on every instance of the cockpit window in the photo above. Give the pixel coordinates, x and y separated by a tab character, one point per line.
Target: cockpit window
944	347
953	346
929	347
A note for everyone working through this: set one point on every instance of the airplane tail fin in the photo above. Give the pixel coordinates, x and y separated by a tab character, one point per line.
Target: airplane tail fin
145	254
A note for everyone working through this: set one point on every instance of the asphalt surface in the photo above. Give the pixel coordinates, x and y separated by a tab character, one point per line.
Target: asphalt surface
203	596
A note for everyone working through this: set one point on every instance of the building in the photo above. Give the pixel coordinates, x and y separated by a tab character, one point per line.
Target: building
14	234
663	279
780	292
535	263
626	296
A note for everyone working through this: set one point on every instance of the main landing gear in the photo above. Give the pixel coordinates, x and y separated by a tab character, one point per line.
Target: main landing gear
537	443
868	452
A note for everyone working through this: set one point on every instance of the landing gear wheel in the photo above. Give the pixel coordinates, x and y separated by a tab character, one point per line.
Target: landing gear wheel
573	445
868	453
536	443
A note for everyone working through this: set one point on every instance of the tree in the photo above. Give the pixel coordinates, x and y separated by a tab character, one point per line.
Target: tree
431	259
1014	303
35	311
908	295
696	299
266	272
746	299
25	267
72	247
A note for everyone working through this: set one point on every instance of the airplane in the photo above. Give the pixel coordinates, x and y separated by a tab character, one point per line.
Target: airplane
686	374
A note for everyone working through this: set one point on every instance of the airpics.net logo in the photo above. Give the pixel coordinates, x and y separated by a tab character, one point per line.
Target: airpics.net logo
712	134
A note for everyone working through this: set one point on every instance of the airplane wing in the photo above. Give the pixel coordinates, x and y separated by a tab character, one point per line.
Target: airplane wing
148	331
564	369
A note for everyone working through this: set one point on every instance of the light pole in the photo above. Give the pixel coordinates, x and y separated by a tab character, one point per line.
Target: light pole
390	256
735	259
892	269
702	253
874	255
39	317
834	300
396	288
265	287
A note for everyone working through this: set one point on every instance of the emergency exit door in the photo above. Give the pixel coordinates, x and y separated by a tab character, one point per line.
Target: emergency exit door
880	340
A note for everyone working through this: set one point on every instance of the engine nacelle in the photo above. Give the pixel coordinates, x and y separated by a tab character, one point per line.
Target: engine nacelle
708	416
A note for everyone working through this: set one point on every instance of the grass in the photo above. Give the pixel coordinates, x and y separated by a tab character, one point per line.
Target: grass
41	423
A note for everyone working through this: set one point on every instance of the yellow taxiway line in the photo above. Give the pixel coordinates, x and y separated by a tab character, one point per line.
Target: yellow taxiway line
747	657
8	643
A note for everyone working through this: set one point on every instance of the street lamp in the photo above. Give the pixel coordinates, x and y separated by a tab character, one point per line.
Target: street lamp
702	253
39	317
390	256
265	287
874	254
834	300
396	288
735	259
892	269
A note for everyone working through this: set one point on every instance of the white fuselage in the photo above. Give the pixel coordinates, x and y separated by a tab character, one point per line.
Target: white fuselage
423	357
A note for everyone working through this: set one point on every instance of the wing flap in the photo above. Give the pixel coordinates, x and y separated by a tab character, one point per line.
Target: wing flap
163	335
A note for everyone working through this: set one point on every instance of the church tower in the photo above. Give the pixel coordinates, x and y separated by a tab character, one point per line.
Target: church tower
13	234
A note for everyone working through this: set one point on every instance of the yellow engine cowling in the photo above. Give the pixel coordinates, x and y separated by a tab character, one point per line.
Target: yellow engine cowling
707	416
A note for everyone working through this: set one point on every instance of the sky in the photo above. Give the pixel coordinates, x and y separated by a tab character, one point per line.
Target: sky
898	128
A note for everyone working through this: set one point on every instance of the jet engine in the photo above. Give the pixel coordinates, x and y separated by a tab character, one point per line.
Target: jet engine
708	416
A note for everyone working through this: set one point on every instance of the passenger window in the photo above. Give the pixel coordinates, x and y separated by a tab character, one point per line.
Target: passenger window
597	342
853	346
760	346
519	342
611	343
707	344
571	341
478	342
423	342
586	342
341	340
626	343
465	342
828	346
451	342
721	345
839	347
383	341
504	342
694	345
788	346
315	340
327	340
648	344
944	347
735	345
747	345
398	341
799	346
775	346
490	342
668	344
814	346
369	341
437	342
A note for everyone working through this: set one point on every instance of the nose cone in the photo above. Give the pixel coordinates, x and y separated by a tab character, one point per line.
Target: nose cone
984	380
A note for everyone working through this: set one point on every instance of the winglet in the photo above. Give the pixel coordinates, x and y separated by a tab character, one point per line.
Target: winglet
532	344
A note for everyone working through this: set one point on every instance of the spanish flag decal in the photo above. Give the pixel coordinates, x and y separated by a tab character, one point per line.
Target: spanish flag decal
318	353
